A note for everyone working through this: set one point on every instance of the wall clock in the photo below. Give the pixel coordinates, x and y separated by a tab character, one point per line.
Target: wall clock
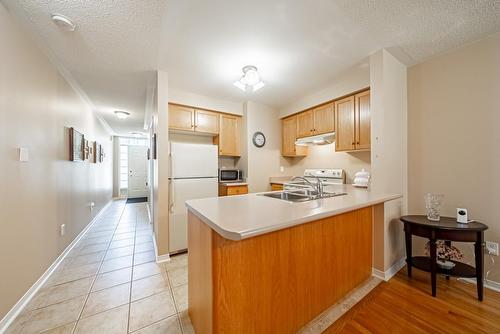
259	139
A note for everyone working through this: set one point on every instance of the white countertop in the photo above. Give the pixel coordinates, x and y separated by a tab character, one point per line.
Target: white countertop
245	216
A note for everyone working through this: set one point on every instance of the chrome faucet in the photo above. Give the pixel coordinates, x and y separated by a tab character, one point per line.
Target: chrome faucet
318	187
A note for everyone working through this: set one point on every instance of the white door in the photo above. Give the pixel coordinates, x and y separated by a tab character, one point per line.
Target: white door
137	171
182	190
193	160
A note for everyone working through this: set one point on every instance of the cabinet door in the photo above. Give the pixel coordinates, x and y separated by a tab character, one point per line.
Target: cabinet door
180	118
345	125
363	127
229	136
324	119
206	121
289	136
305	124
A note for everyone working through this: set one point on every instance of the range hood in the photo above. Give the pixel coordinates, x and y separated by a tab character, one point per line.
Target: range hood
323	139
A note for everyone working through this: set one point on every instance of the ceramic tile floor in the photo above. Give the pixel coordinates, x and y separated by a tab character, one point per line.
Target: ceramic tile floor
110	283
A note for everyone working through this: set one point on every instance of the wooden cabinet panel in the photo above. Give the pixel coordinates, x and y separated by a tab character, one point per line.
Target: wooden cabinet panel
228	190
305	124
180	118
345	124
276	186
289	136
206	121
324	119
229	135
363	119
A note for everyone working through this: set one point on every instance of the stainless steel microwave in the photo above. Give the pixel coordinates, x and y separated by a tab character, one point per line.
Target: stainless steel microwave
228	175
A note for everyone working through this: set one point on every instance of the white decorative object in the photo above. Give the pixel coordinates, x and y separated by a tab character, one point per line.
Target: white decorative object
462	216
445	264
361	179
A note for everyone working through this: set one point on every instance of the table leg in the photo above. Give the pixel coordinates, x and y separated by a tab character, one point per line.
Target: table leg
479	256
408	252
447	243
433	265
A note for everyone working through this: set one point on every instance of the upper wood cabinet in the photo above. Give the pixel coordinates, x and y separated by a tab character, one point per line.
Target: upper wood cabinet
345	138
324	119
353	123
191	119
229	135
316	121
206	121
363	121
289	136
180	118
305	124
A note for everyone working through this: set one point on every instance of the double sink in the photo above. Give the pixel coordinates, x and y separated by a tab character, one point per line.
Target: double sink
302	195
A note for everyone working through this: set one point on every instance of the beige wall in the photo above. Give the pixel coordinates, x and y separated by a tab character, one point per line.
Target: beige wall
160	166
36	108
454	135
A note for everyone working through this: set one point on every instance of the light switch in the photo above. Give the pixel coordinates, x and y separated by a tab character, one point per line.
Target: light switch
282	169
23	154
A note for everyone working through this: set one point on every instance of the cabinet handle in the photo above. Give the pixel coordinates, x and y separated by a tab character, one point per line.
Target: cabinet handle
357	142
353	143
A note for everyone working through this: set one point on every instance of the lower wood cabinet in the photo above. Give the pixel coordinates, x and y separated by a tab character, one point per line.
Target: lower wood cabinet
229	190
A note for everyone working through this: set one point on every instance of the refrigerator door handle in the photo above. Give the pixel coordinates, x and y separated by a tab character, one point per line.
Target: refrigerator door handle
172	196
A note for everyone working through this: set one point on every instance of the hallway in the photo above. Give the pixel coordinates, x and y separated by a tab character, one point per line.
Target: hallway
110	283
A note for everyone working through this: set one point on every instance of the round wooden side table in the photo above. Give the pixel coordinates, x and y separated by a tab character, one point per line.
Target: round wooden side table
447	229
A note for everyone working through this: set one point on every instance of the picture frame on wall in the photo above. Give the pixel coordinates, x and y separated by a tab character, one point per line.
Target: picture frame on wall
100	153
76	146
92	152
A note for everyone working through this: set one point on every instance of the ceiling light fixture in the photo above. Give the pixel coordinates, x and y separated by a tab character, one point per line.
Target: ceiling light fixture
250	79
122	114
63	22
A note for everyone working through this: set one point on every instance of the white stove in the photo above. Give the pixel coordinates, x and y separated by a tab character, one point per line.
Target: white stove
326	175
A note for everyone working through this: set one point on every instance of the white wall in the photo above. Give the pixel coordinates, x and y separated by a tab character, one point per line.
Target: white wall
265	161
389	146
353	79
205	102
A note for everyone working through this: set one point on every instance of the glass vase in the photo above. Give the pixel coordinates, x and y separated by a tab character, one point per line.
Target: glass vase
433	206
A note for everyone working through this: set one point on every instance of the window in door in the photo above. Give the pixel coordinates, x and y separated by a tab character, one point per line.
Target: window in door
123	170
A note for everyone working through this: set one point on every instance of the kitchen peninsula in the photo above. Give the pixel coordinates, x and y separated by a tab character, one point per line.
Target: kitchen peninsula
263	265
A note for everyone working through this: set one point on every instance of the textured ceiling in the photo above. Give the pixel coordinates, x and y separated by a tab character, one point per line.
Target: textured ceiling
111	55
298	46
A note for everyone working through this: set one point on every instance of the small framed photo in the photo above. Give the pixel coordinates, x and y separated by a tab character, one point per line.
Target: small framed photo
100	153
76	146
92	152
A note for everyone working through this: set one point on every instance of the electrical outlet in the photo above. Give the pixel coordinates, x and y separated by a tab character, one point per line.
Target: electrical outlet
492	248
63	229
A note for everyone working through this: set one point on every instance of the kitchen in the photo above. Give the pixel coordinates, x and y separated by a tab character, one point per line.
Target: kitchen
275	172
292	150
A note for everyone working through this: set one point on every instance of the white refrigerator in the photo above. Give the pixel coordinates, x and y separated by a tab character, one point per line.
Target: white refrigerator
193	174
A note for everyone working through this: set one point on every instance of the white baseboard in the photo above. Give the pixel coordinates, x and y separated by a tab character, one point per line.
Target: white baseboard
25	299
389	273
487	283
160	258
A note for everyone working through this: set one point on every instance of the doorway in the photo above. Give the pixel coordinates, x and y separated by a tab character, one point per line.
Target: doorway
137	172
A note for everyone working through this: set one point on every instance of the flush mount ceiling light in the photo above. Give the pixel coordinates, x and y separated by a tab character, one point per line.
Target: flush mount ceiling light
137	134
122	114
250	79
63	22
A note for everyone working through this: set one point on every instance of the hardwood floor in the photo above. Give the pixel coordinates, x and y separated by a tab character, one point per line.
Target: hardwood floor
405	305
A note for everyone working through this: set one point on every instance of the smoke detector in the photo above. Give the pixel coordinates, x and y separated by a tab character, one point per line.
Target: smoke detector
63	22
